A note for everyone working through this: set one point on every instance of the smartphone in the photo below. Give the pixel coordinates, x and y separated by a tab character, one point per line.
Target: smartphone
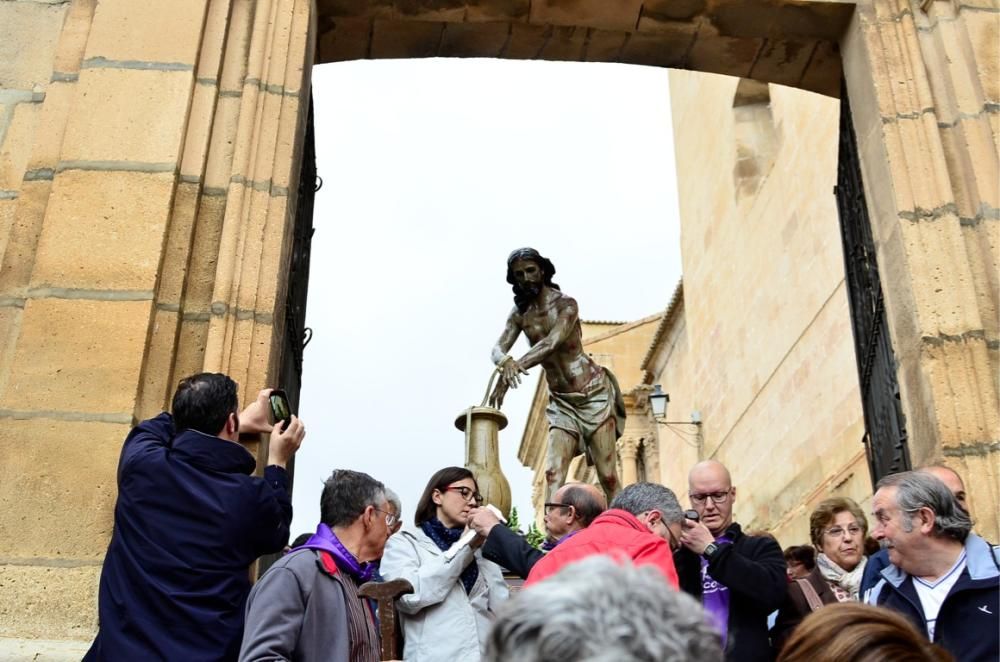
281	410
691	515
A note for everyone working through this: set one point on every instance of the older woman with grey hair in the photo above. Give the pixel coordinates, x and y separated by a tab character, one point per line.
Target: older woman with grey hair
599	609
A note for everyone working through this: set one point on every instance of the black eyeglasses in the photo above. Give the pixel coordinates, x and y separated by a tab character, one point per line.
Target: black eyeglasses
466	493
716	497
549	507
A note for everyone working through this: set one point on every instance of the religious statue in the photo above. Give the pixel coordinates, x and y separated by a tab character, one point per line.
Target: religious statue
586	411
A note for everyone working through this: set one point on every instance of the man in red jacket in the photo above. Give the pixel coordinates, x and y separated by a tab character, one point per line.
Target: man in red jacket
642	525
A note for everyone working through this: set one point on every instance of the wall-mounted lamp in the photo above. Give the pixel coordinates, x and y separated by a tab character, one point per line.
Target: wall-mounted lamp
658	404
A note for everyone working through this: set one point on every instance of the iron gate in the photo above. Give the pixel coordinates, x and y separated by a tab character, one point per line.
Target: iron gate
885	427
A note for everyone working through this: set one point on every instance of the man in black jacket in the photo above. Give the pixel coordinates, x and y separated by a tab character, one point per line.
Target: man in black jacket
739	579
573	507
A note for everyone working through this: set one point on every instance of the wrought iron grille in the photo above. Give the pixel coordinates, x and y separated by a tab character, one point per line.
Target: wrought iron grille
296	335
885	427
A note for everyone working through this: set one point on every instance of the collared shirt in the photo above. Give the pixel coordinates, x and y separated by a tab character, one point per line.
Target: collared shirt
933	594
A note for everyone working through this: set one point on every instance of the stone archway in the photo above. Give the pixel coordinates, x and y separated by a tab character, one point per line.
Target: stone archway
147	157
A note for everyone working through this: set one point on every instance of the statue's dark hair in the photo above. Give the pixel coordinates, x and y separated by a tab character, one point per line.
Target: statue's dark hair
521	298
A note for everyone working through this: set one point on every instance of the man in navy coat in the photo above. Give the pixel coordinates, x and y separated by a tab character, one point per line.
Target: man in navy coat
189	520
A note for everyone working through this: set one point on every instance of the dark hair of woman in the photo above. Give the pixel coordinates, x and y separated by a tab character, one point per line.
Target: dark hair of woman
853	632
426	508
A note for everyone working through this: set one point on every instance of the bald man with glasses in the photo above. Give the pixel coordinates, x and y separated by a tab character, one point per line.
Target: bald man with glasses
573	507
739	579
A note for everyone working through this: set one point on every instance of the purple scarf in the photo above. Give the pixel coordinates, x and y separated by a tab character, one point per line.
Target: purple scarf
325	540
549	545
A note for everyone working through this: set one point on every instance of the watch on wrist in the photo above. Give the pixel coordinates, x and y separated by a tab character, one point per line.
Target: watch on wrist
711	549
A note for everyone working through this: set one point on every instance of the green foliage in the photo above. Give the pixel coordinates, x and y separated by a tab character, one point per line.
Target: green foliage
512	522
535	537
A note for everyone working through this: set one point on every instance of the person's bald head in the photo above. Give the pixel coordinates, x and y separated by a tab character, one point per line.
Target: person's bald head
574	506
952	480
711	491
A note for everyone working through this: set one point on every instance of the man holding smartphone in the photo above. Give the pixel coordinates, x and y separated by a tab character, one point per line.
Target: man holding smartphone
189	520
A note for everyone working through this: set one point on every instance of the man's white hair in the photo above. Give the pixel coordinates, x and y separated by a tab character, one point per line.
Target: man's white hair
598	610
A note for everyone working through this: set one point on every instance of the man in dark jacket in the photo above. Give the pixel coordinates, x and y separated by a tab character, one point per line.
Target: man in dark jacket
573	508
189	520
943	578
739	579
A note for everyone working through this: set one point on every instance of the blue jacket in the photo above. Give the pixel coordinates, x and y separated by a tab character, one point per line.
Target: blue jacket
967	624
189	521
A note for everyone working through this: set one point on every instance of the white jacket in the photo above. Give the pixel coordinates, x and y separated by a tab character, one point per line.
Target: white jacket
441	622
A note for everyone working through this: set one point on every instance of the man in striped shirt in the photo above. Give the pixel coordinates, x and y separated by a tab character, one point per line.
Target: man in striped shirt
943	577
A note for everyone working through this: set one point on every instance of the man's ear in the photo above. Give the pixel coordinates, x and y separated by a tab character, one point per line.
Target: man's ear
233	425
926	517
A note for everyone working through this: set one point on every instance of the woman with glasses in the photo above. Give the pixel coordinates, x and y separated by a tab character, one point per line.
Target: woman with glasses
455	594
838	529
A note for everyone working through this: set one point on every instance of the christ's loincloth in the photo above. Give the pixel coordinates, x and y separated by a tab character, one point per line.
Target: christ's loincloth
581	414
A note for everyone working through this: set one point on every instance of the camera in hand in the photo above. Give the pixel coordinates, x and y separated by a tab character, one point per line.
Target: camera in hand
281	410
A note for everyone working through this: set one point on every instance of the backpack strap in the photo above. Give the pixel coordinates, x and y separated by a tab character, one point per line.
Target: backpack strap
811	596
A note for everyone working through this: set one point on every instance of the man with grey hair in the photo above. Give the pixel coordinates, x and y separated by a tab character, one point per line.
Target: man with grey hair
306	606
880	559
643	524
636	620
943	577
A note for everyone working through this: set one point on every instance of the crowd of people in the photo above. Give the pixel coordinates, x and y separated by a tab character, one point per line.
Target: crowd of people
639	578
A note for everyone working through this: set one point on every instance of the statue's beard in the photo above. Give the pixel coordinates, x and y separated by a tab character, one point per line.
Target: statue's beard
525	295
531	291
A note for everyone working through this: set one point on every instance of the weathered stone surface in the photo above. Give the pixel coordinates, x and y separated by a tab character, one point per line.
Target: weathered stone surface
163	32
157	387
78	356
395	39
662	49
66	470
104	231
52	603
347	39
474	39
605	46
30	31
17	144
670	10
128	115
623	15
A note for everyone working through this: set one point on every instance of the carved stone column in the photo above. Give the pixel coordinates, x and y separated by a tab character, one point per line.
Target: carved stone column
628	451
651	458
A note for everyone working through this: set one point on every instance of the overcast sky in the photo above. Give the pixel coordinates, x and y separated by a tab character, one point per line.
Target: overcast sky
434	170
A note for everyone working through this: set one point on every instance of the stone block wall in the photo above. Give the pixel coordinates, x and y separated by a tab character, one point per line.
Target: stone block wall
147	154
766	329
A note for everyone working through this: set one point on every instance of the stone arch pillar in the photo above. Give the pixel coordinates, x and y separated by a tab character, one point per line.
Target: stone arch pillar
148	223
925	94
